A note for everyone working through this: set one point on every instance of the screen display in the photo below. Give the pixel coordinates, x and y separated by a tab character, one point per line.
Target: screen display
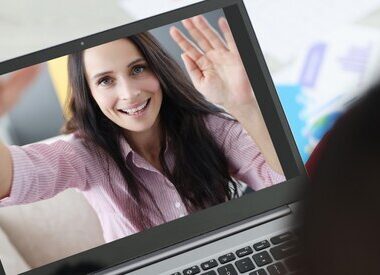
122	137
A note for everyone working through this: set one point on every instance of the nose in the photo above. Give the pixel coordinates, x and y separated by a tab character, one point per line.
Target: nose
128	90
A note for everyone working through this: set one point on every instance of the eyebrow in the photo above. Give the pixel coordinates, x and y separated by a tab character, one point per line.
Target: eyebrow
129	65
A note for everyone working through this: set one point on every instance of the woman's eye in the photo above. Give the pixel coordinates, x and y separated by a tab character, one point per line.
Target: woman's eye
105	81
138	69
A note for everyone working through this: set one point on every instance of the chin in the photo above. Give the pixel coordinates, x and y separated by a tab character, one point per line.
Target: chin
138	127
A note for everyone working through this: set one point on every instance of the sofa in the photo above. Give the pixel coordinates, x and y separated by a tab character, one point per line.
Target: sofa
39	233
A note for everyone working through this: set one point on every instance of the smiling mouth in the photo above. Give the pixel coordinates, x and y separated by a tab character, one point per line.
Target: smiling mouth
136	111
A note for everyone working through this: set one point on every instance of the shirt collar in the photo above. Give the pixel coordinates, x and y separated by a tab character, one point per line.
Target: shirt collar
126	148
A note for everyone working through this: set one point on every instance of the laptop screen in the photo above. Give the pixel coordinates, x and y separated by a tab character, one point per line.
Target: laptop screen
132	132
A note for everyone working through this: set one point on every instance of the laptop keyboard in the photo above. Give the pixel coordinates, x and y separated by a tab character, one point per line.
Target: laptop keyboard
277	255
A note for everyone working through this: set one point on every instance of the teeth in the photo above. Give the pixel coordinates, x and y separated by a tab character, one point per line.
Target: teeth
134	110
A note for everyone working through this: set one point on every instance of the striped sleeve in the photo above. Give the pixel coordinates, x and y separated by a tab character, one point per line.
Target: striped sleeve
40	171
245	160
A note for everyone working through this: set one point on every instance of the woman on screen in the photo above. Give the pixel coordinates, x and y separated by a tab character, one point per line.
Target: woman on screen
149	145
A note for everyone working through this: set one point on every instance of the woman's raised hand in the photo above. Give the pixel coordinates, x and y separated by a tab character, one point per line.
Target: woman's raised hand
214	63
217	71
12	87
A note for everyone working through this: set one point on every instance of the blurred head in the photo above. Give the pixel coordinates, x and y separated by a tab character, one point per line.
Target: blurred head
342	221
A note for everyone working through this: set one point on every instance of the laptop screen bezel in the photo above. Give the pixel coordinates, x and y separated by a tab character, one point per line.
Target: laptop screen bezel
213	218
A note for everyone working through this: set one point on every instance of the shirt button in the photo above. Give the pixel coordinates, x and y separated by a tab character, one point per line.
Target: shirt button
177	204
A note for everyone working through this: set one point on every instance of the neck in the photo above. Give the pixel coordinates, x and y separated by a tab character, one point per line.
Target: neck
147	143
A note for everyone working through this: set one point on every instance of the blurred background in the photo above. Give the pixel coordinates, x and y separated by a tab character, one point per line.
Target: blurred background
320	56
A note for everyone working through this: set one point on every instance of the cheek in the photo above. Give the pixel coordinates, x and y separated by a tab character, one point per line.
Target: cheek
104	101
151	84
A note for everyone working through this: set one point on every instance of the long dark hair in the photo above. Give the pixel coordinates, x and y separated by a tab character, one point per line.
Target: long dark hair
200	175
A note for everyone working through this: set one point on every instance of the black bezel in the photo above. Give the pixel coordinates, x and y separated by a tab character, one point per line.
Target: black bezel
215	217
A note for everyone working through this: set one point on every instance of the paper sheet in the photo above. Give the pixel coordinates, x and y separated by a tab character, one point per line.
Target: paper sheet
285	27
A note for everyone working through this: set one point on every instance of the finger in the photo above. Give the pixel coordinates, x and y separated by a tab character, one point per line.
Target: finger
2	87
21	79
12	87
209	32
185	44
227	33
199	38
192	68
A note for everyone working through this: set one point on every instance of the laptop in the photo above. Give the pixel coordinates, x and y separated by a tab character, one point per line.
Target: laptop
255	231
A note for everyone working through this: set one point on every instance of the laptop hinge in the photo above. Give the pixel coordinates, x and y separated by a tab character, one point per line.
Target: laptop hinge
196	242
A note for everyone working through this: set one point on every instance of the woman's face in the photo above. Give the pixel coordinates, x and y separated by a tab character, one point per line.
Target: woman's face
123	85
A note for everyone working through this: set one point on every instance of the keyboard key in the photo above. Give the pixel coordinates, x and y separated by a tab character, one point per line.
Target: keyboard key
209	264
261	245
262	258
282	238
284	250
276	269
227	258
211	272
227	270
192	270
259	272
244	251
245	265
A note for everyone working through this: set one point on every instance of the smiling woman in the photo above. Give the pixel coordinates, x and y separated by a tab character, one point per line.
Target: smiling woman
124	87
149	143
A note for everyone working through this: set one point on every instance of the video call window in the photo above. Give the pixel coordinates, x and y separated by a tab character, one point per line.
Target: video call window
154	127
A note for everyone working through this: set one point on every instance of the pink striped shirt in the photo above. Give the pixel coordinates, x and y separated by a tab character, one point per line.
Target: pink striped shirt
43	170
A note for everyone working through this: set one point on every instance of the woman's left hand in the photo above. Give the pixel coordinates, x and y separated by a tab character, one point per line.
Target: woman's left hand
217	71
214	64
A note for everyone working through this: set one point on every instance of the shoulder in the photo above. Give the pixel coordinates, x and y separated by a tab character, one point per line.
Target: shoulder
63	141
220	123
82	147
227	131
71	144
